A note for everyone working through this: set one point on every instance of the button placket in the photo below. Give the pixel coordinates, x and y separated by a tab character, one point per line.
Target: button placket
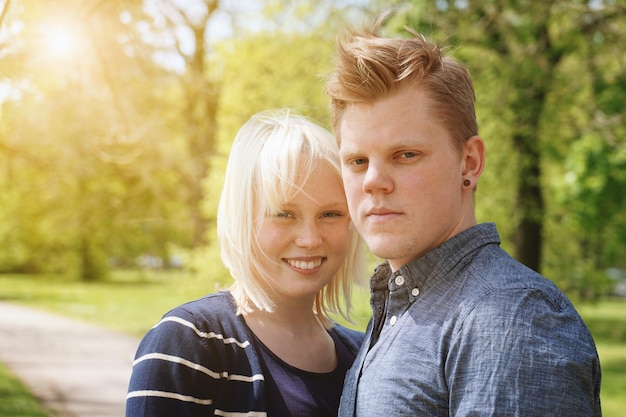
399	281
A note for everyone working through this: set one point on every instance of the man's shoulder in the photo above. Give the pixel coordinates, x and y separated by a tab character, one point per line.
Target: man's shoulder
509	291
495	268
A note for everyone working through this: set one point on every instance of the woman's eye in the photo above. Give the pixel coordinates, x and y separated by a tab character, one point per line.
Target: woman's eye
332	214
283	214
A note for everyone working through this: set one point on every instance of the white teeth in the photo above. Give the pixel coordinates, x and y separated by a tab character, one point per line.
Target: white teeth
304	264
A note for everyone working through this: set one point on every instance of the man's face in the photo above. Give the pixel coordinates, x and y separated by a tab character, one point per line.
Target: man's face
403	176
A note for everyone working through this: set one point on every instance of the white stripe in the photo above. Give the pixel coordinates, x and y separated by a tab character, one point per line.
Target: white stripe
209	335
165	394
248	414
197	367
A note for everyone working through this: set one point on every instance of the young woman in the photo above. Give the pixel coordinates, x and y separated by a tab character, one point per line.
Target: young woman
267	346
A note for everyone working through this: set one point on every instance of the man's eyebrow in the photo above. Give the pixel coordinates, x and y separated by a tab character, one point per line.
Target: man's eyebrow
409	142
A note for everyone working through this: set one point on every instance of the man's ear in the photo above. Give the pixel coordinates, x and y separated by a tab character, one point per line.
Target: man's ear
473	159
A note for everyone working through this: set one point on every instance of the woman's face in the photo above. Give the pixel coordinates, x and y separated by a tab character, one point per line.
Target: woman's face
307	240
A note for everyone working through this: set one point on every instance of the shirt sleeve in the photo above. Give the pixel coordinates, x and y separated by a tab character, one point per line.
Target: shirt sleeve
197	361
523	353
172	372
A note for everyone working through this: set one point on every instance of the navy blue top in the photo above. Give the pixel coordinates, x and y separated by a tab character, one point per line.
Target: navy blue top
297	393
201	360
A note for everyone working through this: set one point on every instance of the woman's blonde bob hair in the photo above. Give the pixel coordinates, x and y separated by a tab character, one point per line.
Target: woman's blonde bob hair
272	155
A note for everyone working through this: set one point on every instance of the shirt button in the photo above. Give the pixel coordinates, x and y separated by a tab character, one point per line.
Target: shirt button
415	292
399	280
393	320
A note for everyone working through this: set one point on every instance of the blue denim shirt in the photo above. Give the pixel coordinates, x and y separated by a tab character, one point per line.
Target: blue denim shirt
466	330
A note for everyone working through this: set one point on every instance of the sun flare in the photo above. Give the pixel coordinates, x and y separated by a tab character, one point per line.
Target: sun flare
62	42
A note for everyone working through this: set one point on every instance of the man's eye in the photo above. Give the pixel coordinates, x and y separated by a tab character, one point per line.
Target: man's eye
408	155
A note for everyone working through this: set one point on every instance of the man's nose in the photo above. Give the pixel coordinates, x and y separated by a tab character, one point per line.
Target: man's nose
377	179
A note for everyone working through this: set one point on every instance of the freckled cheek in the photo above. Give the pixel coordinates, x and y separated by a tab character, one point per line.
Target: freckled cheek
272	238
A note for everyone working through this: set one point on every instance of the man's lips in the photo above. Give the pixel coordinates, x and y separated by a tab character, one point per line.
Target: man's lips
381	214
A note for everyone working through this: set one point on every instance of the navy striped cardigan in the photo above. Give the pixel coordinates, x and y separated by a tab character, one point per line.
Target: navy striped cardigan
198	361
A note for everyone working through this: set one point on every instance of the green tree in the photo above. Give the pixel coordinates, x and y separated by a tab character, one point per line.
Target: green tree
92	164
200	93
105	146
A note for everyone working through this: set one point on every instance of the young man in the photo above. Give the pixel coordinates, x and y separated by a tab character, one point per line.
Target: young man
459	328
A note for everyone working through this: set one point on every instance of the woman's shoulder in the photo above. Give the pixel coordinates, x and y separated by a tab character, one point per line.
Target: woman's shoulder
213	311
353	338
215	303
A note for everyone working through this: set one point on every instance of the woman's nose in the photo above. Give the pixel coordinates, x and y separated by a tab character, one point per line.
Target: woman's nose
309	237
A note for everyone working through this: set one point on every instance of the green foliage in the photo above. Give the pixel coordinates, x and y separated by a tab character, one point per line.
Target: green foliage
103	154
91	168
267	71
97	167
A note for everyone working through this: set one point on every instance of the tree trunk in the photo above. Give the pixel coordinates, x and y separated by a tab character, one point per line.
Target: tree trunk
533	83
530	203
200	119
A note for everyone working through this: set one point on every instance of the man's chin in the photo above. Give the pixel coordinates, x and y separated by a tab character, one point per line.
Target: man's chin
382	247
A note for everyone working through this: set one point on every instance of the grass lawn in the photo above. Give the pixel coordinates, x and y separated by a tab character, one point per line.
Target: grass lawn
607	322
132	302
15	399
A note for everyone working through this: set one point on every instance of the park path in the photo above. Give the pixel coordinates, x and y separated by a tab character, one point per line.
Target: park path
76	369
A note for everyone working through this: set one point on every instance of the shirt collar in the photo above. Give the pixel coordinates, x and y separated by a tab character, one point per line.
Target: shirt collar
438	262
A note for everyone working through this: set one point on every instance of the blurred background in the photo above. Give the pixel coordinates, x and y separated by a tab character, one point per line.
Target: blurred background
116	119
